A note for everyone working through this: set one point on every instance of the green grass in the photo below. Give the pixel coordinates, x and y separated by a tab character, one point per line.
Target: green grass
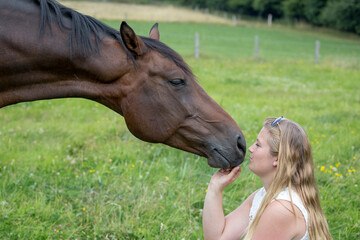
70	169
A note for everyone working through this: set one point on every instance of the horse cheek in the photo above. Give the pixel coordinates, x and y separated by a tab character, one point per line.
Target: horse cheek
141	119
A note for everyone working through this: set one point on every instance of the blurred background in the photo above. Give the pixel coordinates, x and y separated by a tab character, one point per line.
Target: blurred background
337	14
70	169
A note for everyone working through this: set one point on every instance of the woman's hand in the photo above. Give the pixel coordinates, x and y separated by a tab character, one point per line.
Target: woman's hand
223	178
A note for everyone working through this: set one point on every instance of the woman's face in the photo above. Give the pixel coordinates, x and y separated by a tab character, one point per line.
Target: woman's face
262	163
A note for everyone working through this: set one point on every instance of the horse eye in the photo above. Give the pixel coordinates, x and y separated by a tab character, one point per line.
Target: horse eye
177	82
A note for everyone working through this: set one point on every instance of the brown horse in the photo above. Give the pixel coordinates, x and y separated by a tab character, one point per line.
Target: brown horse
49	51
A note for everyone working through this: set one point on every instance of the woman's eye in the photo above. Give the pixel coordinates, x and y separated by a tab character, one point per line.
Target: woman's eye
256	144
177	82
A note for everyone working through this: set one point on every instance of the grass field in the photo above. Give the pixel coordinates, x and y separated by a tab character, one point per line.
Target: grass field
70	169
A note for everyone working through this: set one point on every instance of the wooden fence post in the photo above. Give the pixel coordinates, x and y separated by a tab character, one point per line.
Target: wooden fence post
269	19
256	51
234	19
197	45
317	51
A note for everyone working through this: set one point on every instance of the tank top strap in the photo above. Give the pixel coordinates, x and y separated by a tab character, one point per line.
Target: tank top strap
285	195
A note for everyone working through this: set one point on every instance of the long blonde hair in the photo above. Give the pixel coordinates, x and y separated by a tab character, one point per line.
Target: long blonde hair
295	170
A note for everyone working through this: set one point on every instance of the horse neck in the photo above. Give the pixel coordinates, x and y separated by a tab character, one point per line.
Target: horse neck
40	77
35	68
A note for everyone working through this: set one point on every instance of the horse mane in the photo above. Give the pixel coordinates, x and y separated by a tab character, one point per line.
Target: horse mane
168	53
86	30
82	27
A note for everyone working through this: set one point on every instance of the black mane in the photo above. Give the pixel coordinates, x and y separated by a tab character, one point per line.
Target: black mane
84	27
167	52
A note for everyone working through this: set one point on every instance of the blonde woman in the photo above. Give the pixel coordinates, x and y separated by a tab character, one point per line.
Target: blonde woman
287	207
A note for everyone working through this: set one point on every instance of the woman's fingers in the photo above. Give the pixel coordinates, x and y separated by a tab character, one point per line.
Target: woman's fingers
224	177
230	176
235	172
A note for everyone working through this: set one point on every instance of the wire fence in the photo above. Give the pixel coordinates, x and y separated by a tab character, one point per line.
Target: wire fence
200	45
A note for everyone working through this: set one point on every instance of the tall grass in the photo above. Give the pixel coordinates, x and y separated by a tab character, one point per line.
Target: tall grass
70	169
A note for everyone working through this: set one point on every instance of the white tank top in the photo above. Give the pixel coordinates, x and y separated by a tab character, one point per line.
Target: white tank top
283	195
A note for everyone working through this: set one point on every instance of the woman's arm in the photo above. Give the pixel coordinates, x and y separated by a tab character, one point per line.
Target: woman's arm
213	215
215	224
238	220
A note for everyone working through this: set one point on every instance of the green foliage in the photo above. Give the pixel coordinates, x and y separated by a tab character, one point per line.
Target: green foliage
70	169
217	4
242	7
338	14
265	7
294	9
137	1
313	10
343	15
194	3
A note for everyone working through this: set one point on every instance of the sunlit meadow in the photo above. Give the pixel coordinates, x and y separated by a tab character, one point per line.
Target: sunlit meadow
70	169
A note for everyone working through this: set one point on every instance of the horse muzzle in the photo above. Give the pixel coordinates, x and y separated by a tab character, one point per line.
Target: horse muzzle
227	156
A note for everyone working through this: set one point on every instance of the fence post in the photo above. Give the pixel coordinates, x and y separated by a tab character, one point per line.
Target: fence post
256	51
197	45
270	19
234	19
317	51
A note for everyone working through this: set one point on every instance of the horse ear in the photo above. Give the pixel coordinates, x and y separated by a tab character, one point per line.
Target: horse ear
132	42
154	32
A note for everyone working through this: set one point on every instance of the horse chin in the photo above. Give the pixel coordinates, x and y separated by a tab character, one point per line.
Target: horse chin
218	160
218	164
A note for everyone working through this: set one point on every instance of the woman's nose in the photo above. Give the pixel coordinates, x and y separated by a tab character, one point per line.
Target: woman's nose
251	148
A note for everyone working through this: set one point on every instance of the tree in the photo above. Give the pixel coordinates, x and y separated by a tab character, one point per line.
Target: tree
265	7
242	7
194	3
294	9
313	9
217	4
343	15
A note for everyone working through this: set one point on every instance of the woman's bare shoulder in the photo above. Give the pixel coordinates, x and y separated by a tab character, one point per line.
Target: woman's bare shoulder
279	222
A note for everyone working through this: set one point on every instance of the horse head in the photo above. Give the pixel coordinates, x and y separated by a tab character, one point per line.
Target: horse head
163	103
139	77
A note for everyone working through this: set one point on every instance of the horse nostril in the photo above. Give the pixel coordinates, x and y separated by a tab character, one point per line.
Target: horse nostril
241	144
